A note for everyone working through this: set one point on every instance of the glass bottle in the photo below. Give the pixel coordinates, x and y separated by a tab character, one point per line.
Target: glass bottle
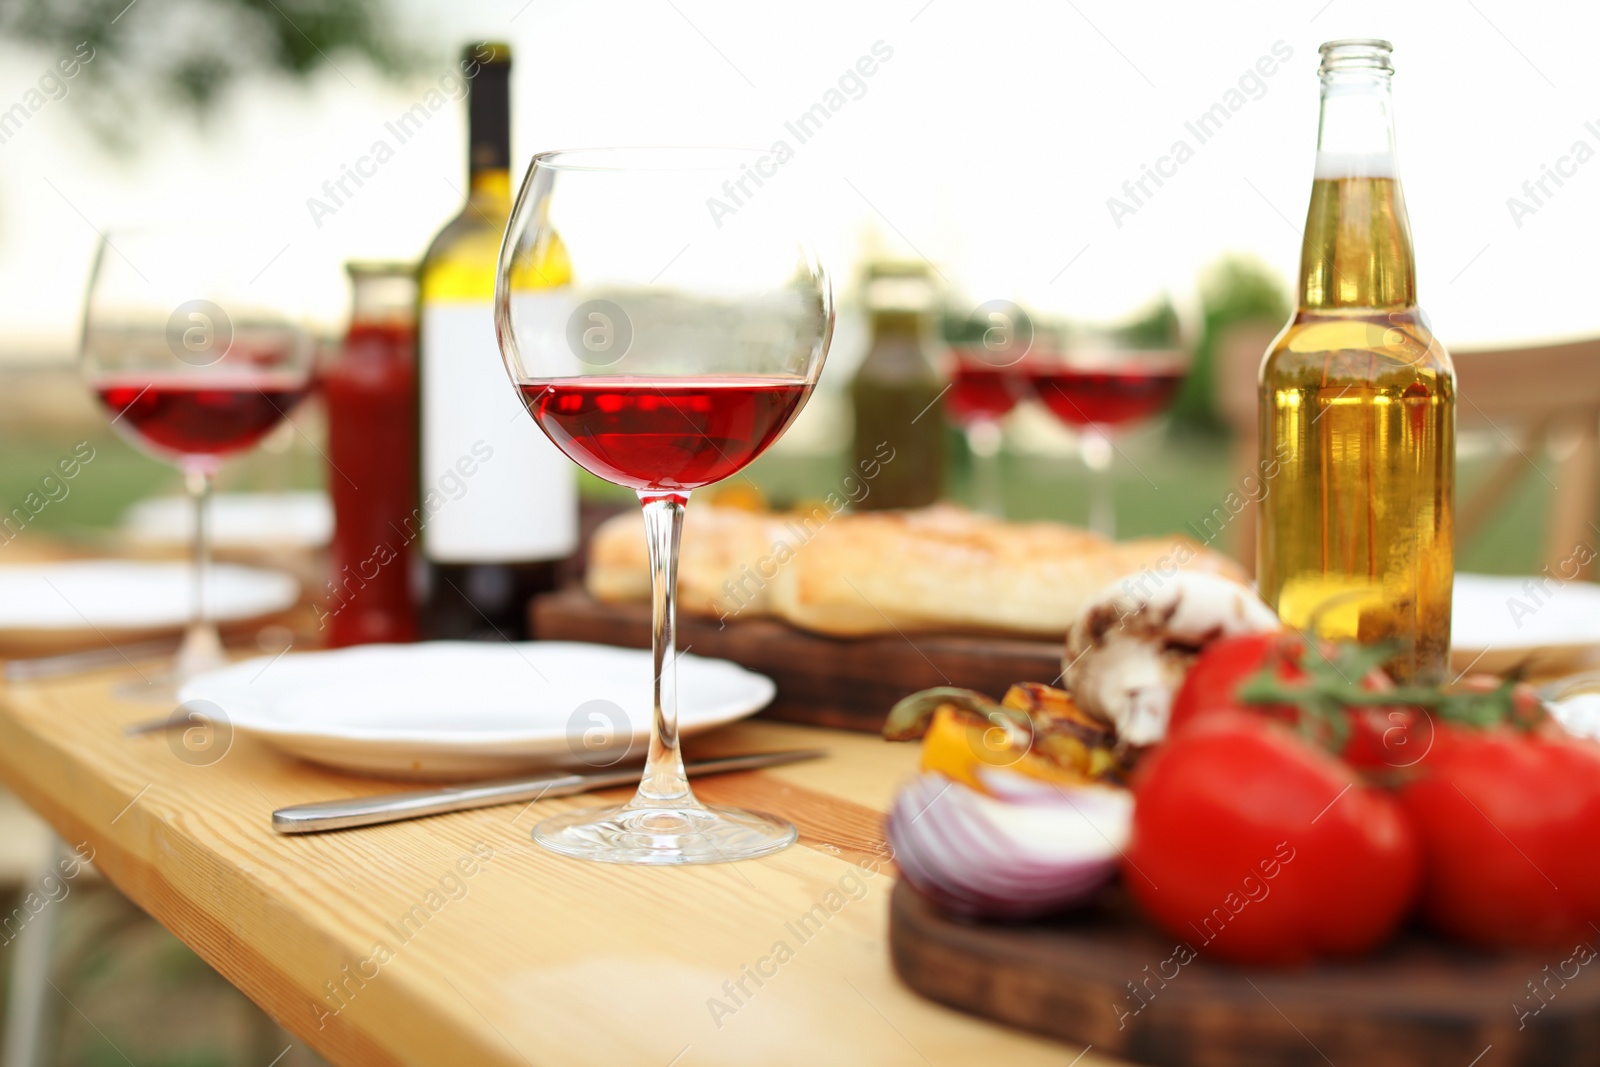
1357	402
899	427
371	396
500	501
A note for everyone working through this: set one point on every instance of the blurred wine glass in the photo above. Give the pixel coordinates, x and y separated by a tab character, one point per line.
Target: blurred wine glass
192	364
1101	386
985	384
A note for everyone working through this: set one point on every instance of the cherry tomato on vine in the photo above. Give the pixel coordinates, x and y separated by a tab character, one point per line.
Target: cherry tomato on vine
1509	823
1255	846
1372	737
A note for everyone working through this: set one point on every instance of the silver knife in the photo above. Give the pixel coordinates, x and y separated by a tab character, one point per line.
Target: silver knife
397	807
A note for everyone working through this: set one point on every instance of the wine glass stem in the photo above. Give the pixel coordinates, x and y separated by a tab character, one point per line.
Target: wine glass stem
1097	457
983	440
664	780
202	646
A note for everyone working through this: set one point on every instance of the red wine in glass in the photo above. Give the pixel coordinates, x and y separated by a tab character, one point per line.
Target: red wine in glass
979	392
1106	396
664	433
198	414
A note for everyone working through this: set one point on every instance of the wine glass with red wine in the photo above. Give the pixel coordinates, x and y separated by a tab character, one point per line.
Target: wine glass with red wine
985	384
192	363
1100	390
664	320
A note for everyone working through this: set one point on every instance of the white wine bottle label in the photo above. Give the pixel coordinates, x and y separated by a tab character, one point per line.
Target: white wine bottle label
494	489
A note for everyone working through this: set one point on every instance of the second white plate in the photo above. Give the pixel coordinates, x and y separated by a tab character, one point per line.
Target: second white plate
466	710
110	595
238	520
1500	623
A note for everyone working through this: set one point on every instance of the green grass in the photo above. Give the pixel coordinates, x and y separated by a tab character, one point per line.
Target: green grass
118	475
1512	542
1160	485
114	478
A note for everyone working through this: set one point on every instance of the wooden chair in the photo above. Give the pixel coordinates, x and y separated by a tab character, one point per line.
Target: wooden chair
1538	398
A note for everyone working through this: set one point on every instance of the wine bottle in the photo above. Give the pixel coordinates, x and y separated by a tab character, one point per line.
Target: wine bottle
1358	402
896	393
500	500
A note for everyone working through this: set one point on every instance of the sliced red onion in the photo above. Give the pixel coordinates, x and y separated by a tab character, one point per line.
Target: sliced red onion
1039	848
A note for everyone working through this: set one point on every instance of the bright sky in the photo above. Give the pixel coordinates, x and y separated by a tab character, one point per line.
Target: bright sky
988	141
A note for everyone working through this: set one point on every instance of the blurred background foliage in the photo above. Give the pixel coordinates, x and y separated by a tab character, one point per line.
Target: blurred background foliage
1233	290
205	48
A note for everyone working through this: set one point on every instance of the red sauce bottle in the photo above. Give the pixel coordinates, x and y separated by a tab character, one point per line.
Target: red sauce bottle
371	397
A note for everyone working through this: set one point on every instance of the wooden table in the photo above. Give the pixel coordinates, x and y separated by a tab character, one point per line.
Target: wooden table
456	941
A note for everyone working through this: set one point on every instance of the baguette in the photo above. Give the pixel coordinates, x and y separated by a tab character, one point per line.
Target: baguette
854	575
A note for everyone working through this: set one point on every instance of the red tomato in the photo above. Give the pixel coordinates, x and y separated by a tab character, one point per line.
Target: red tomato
1254	846
1213	680
1510	831
1387	737
1376	737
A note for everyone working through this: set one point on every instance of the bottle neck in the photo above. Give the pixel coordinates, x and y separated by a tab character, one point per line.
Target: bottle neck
1357	251
489	128
1355	131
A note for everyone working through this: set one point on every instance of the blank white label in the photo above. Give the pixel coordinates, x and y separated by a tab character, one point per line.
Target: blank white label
499	491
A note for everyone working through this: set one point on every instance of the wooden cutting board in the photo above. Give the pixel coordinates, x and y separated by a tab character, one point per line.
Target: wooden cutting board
1103	978
843	683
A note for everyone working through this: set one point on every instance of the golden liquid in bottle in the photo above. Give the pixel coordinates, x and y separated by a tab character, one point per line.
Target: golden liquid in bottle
1358	412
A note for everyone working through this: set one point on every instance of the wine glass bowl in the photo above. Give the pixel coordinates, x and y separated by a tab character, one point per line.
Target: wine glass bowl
663	332
1111	389
190	364
979	392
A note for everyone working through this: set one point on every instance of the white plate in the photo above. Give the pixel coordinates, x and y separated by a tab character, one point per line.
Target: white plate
128	595
238	520
1530	621
449	709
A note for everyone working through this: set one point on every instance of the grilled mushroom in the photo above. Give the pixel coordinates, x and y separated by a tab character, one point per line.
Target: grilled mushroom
1127	652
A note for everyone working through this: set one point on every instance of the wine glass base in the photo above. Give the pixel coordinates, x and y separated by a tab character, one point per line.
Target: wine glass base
200	652
666	834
